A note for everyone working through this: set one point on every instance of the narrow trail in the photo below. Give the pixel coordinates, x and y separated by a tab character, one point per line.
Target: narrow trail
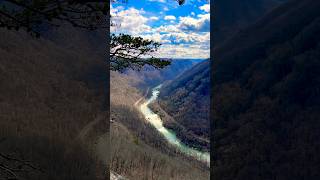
82	134
101	145
143	97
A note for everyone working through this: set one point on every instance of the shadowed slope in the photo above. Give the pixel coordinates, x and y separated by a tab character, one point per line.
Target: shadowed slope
266	97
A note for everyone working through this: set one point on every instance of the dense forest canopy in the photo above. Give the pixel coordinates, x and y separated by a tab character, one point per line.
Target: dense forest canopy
266	97
186	98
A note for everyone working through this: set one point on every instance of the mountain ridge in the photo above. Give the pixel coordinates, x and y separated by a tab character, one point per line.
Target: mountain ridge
225	26
266	99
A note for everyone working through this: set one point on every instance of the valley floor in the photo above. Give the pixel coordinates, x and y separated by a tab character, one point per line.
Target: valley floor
138	151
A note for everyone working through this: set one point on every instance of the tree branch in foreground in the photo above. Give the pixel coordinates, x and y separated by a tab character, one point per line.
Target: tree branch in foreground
31	15
131	52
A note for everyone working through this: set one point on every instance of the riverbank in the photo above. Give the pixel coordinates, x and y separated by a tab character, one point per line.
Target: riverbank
155	120
187	137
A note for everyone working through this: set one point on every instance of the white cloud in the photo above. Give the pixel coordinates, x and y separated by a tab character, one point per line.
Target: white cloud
167	29
154	18
193	14
205	8
131	20
170	17
156	37
201	23
187	38
183	51
165	8
161	1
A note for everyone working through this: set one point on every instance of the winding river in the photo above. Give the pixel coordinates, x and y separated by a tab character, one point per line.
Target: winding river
169	135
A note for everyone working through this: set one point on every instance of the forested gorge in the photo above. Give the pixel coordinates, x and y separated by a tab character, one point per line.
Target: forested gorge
138	150
266	97
186	99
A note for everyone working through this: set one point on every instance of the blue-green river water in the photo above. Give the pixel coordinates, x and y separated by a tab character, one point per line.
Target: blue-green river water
169	135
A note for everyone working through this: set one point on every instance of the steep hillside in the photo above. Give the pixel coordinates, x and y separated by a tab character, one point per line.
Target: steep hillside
266	97
138	151
186	100
122	91
46	99
232	15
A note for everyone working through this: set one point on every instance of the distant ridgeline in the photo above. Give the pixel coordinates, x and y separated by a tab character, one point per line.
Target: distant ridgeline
151	76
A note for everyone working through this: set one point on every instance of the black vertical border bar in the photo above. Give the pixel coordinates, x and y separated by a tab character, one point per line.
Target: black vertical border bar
107	86
212	123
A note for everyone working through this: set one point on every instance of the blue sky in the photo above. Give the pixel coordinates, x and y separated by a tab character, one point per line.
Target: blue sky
183	31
